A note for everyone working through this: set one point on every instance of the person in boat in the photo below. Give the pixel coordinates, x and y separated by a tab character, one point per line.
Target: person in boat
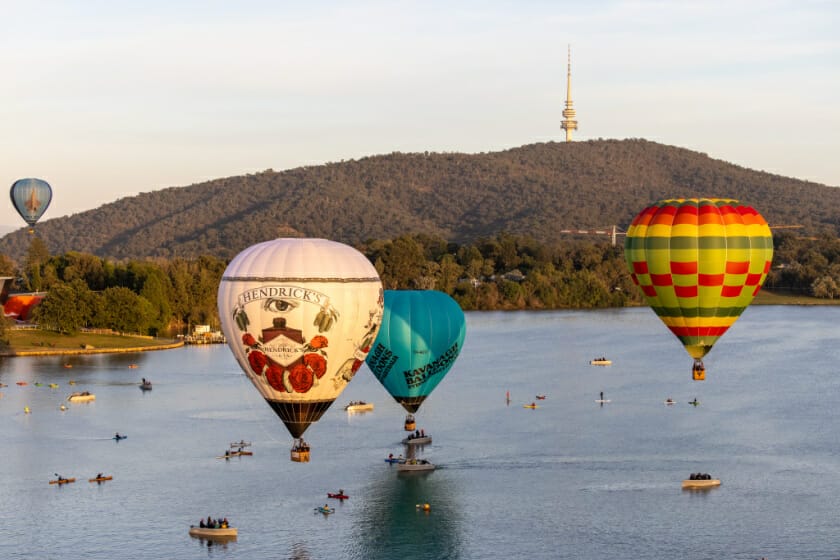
201	523
417	433
99	475
422	432
117	436
602	395
533	404
390	455
227	452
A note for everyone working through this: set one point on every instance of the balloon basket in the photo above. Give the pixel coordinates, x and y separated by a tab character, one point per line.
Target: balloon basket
300	456
300	452
410	425
698	372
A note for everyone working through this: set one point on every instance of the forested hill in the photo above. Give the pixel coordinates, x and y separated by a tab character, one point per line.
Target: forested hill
534	190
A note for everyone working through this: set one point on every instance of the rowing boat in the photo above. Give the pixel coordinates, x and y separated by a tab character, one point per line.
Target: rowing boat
208	533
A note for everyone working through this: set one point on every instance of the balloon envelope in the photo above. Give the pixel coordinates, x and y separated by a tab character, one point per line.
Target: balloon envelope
299	316
31	197
699	263
421	336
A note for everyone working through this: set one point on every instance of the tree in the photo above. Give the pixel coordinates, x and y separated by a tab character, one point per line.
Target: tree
124	311
37	255
62	310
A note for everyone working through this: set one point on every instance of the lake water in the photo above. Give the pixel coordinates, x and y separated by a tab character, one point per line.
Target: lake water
571	479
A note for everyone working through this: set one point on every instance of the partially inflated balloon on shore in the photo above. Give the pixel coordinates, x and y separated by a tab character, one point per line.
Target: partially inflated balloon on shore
699	263
421	336
300	316
31	198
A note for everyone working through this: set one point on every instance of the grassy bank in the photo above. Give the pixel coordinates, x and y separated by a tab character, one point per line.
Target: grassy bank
780	297
33	340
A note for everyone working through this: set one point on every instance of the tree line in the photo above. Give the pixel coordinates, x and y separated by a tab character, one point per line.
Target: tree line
505	272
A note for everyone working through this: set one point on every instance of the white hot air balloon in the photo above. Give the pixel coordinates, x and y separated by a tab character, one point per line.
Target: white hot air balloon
300	316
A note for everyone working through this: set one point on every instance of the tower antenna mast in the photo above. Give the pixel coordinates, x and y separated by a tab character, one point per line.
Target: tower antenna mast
569	123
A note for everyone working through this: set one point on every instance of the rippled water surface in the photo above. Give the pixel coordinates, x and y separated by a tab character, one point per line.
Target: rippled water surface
571	479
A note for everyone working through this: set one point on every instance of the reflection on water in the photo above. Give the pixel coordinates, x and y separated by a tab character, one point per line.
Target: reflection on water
392	526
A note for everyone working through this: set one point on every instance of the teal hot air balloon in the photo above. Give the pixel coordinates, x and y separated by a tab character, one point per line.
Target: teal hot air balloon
421	335
31	197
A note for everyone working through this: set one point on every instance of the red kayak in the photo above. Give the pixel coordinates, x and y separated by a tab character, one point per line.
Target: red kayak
337	496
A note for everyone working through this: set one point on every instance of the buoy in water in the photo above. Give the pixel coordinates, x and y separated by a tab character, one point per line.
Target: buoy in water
26	410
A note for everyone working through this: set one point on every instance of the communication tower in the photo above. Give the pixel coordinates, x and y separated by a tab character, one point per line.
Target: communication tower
569	123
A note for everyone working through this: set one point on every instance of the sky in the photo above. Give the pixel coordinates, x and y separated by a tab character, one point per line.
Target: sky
107	99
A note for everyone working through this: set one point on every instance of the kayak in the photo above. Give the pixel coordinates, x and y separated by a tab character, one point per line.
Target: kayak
393	460
118	438
337	496
62	481
81	397
532	406
100	479
324	510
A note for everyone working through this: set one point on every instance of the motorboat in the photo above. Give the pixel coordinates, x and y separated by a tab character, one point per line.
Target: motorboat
210	533
81	397
415	465
359	406
600	362
700	484
417	440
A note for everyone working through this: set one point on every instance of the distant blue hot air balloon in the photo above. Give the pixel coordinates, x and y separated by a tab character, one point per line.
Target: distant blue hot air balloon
421	335
31	197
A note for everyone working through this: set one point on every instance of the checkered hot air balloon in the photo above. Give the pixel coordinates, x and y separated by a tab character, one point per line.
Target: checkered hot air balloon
699	263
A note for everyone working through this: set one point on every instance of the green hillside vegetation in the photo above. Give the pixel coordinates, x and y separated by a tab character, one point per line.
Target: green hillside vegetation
505	272
534	191
484	228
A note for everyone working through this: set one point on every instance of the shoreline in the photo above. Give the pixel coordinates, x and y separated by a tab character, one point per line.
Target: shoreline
80	351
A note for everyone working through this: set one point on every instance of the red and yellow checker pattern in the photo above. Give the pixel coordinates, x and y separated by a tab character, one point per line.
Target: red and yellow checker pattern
699	263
